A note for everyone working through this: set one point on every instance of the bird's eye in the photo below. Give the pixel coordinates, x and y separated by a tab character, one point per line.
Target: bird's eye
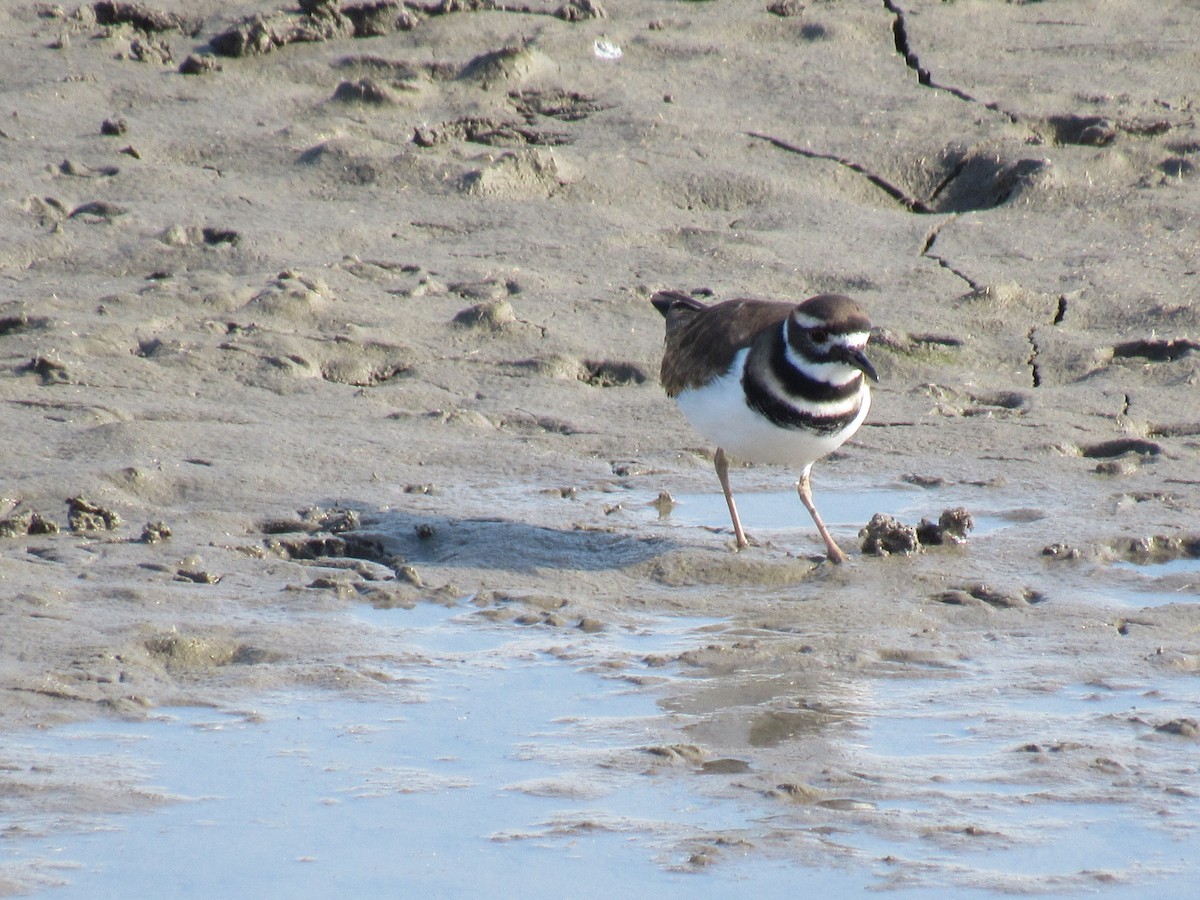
818	335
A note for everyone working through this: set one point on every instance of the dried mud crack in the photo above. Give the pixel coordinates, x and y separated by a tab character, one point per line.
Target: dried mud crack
909	202
905	49
927	248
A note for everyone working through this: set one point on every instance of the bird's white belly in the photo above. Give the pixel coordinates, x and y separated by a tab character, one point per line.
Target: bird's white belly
719	412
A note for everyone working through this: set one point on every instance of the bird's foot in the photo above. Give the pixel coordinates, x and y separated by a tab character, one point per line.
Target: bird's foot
836	555
741	542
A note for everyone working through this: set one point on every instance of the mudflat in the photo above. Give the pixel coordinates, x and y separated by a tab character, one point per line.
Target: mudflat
348	304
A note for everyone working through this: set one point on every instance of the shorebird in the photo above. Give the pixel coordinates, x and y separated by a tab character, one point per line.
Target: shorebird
769	382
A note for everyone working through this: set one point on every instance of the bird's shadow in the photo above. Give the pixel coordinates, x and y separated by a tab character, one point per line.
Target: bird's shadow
397	538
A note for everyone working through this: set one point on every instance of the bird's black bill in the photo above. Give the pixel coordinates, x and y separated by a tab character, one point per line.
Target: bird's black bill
859	360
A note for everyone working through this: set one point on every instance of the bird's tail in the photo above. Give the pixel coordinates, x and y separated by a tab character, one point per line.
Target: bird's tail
666	301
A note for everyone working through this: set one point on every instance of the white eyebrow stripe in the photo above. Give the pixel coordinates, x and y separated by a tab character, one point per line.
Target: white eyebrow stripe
856	339
805	321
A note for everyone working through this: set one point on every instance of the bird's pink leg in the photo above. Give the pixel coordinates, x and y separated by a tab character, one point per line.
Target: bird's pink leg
804	489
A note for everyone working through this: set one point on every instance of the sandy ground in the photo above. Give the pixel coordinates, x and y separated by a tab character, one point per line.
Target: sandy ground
374	294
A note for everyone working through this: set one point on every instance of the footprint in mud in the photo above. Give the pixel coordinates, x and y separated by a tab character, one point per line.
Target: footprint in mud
555	103
176	652
197	235
952	179
97	211
323	20
487	131
610	373
258	35
335	536
78	170
199	64
1121	447
1150	571
1084	131
1156	350
981	594
1159	549
603	373
50	371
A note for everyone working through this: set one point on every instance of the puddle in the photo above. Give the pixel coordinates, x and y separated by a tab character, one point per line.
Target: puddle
458	630
363	796
844	511
492	760
507	768
994	769
1162	569
1155	584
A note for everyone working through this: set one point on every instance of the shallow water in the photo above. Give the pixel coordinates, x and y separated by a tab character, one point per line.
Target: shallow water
515	757
845	511
492	760
1155	584
1183	566
479	769
987	766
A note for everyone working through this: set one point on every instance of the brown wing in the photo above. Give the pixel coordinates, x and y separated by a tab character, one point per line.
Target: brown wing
703	340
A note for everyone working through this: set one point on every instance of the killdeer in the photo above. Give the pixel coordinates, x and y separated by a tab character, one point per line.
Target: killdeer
769	382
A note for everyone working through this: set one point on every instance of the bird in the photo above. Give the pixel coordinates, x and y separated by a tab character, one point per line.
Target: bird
769	381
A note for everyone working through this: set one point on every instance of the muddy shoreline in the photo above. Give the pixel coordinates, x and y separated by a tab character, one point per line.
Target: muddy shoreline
345	310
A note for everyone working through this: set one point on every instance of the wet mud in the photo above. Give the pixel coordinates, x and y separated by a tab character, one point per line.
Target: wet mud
343	309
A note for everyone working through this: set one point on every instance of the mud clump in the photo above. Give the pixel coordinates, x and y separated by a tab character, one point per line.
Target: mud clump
365	90
952	527
313	519
26	522
1184	727
494	315
84	515
885	535
155	532
1162	548
177	652
144	18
